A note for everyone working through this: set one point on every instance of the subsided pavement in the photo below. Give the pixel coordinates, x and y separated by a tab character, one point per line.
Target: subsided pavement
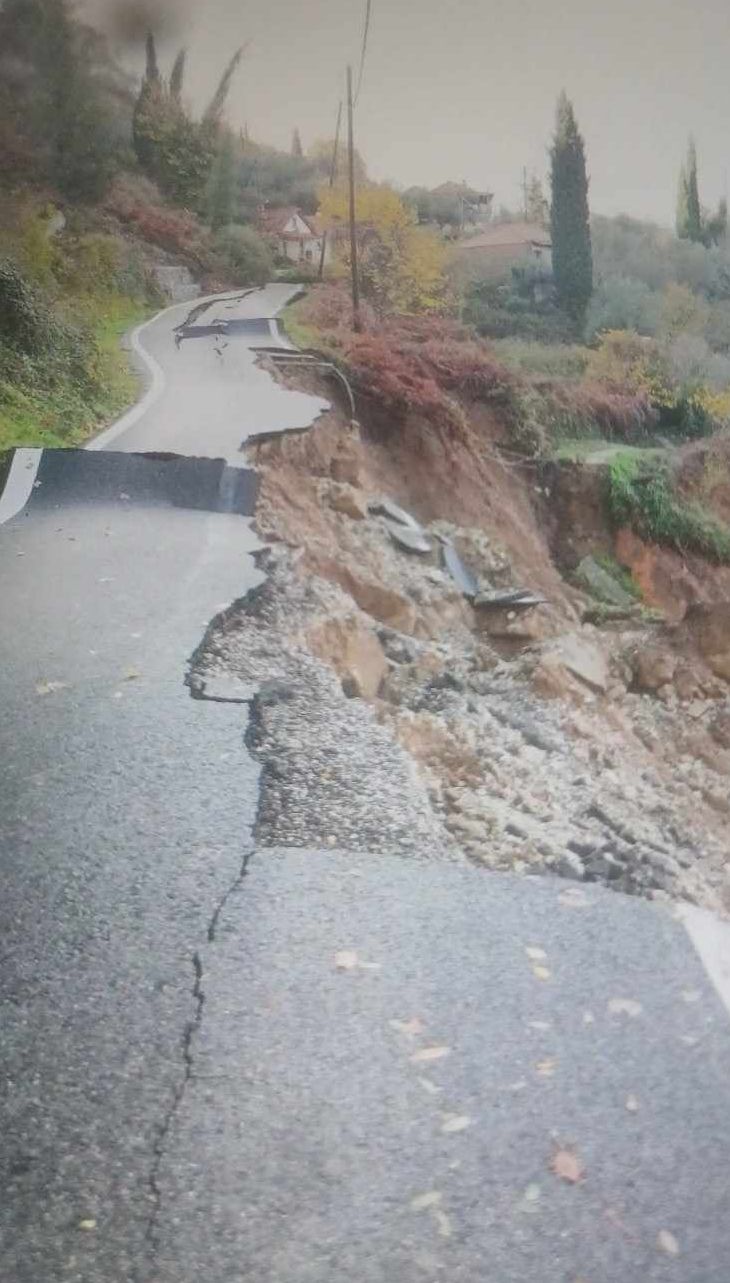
290	1066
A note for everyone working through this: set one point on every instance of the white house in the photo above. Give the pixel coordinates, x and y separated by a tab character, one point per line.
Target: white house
295	236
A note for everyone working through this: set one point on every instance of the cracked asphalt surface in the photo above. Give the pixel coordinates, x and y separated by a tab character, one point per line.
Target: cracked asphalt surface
290	1066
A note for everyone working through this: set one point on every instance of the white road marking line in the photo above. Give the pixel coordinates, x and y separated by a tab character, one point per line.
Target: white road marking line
710	936
20	481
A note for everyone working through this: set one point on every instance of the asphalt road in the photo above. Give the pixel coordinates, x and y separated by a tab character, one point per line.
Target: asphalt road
279	1067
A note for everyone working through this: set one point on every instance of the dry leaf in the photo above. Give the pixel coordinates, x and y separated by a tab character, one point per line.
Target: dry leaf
455	1122
667	1243
541	973
423	1201
346	960
88	1224
624	1007
689	1040
430	1087
411	1028
567	1165
632	1104
546	1068
588	1018
430	1053
572	898
535	954
442	1221
50	688
542	1025
131	674
691	995
532	1193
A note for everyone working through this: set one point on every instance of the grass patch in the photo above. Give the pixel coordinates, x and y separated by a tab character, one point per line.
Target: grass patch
543	360
59	410
302	334
641	494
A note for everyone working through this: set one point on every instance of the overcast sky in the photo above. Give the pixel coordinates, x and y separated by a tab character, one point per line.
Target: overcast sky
466	88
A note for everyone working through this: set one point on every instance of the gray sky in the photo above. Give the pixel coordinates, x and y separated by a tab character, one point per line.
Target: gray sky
466	88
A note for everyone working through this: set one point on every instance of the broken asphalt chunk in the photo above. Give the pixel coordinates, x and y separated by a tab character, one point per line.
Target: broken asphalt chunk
512	599
386	508
461	575
412	539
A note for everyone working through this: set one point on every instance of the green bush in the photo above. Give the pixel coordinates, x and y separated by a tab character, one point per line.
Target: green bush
641	494
543	360
244	255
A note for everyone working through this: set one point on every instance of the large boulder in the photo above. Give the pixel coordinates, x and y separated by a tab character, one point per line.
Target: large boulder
353	650
347	500
708	626
601	584
654	668
572	656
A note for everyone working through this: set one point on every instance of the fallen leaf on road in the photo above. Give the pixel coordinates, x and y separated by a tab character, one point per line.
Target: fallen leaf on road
131	674
346	960
88	1224
430	1053
532	1193
542	1025
455	1122
540	973
423	1201
430	1087
50	688
411	1028
691	995
667	1243
632	1104
443	1223
624	1007
546	1068
535	954
588	1018
567	1165
572	898
689	1040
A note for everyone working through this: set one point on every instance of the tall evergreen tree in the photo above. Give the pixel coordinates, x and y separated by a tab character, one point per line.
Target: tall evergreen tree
296	144
569	216
218	101
222	186
694	211
178	75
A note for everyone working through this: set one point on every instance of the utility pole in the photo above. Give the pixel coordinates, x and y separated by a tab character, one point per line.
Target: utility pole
333	175
524	191
356	322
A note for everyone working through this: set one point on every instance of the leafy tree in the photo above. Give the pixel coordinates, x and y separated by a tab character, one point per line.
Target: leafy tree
296	145
716	225
689	213
320	155
222	190
401	265
570	225
245	254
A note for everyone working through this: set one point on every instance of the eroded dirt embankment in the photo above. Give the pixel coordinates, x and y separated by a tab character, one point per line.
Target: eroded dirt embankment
410	720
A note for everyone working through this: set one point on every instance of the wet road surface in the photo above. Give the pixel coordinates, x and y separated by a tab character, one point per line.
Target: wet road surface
294	1066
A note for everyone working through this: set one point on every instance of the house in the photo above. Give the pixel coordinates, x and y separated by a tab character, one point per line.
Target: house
294	235
494	252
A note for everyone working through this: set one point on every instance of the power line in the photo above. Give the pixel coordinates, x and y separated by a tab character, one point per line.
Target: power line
363	51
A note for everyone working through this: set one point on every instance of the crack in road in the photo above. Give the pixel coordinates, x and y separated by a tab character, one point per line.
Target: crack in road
190	1031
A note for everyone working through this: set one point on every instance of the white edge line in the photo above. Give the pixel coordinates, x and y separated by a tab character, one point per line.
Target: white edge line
710	936
20	481
159	383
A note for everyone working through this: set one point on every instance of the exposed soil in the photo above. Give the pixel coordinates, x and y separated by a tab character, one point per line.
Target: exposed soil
541	743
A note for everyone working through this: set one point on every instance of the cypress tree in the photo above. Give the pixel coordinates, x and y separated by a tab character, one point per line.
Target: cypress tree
296	144
689	212
569	215
222	187
178	76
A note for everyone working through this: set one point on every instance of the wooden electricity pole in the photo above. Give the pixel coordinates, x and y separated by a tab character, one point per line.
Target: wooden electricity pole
356	322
